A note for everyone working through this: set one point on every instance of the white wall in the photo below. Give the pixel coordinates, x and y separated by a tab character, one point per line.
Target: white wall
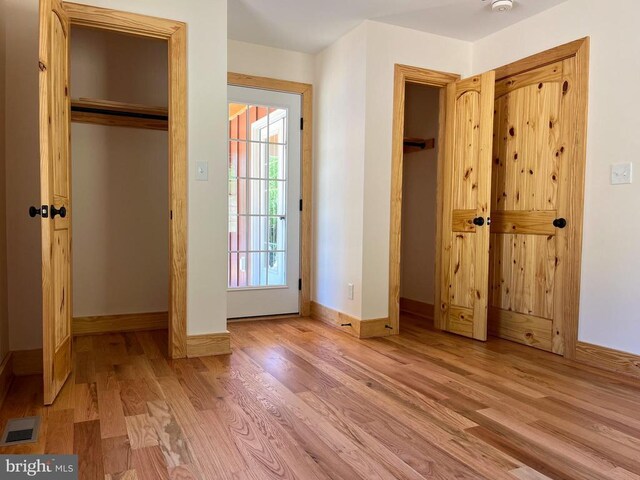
386	46
22	170
610	262
338	174
122	68
353	172
120	179
4	312
207	67
269	62
120	222
418	258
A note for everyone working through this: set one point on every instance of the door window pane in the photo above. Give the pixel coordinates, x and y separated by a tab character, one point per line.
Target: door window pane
257	174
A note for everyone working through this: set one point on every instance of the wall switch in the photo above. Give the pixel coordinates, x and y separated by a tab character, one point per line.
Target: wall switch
202	171
621	173
350	291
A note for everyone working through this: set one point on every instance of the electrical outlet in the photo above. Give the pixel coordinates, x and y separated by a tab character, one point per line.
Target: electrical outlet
621	173
350	291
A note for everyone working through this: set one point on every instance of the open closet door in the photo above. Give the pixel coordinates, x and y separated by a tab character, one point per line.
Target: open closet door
465	192
55	179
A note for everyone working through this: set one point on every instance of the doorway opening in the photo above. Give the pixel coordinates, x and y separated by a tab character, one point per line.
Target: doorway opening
419	200
120	181
411	84
57	209
264	203
269	206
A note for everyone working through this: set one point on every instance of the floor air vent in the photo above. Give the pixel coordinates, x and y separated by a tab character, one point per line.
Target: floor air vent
20	430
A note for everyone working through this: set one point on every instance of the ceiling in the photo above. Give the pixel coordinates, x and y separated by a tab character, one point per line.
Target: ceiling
311	25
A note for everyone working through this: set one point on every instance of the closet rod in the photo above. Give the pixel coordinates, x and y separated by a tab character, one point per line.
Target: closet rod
417	144
105	112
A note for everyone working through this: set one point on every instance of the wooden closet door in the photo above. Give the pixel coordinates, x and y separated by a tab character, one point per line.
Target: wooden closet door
55	187
466	189
530	201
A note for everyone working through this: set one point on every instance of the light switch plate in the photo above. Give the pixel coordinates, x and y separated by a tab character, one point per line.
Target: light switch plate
202	171
621	173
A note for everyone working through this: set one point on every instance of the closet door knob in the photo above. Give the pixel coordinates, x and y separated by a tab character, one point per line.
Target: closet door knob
62	211
35	211
559	223
478	221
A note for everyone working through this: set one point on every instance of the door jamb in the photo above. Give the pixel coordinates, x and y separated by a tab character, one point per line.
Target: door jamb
406	74
305	90
571	291
175	33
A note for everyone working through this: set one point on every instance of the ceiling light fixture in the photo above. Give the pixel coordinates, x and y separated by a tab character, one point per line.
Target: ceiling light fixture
501	5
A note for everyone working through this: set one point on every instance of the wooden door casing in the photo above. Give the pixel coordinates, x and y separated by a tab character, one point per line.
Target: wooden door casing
466	193
532	150
55	187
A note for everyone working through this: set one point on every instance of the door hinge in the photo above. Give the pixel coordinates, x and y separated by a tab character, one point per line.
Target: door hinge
299	284
300	204
301	123
170	214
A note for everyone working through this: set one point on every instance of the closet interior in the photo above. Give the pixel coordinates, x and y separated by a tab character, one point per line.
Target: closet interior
119	155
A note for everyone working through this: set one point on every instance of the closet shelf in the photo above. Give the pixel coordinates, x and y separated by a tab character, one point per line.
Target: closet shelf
105	112
418	144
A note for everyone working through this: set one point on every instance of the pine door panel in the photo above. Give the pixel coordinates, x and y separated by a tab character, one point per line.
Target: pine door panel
55	177
528	181
522	274
463	280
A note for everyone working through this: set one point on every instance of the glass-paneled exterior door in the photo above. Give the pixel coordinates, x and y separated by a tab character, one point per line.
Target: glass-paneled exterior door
264	202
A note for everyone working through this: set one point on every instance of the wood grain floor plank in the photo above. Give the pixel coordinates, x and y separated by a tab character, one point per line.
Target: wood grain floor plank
149	463
170	436
86	402
128	475
141	431
298	399
112	422
528	473
184	472
59	431
135	394
87	445
116	455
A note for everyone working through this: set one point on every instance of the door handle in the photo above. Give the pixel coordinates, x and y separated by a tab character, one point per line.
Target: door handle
478	221
43	210
559	223
62	211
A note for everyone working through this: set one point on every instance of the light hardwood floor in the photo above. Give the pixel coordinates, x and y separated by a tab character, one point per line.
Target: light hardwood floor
298	399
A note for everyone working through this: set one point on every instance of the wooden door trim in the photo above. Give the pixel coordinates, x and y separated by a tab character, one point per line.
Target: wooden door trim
305	90
175	33
578	49
123	22
404	74
535	61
